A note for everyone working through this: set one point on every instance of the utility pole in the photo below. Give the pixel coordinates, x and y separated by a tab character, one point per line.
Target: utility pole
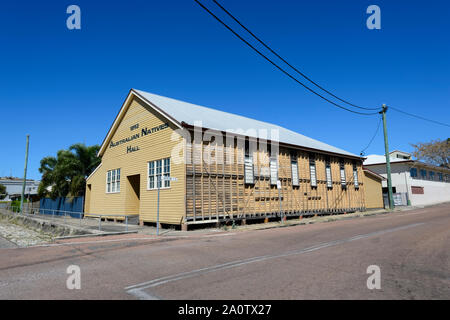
24	174
388	159
158	183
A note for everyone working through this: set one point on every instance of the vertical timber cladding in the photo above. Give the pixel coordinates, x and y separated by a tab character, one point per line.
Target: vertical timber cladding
215	188
132	158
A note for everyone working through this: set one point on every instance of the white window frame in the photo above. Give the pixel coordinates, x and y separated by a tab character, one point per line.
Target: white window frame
160	167
355	176
113	181
313	172
328	174
294	170
108	181
249	175
273	170
249	167
342	173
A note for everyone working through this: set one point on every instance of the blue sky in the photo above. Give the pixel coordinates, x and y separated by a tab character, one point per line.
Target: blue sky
65	86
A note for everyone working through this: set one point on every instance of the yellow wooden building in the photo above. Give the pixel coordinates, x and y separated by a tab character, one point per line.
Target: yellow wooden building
227	167
373	189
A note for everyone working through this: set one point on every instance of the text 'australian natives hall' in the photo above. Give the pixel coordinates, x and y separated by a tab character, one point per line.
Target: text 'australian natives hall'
228	167
144	132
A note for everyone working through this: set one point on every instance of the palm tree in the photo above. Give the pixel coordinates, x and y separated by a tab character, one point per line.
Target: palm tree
66	174
87	160
47	168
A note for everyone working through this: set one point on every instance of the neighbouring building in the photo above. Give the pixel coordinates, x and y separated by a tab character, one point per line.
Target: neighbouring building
413	182
14	187
373	188
227	167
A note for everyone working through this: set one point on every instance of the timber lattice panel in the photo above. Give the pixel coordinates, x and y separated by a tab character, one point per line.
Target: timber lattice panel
216	189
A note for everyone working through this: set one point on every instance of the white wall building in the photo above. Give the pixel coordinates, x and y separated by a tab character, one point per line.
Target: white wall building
14	187
421	183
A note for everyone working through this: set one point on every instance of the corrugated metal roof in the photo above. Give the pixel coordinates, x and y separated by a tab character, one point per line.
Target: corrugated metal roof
373	173
377	159
224	121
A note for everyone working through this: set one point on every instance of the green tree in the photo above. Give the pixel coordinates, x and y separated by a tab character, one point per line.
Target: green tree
435	152
66	174
3	193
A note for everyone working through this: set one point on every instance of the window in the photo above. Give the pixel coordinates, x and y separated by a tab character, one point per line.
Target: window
355	175
158	164
151	175
342	170
113	181
167	172
417	190
431	175
248	166
312	171
156	170
440	176
423	173
413	172
273	170
294	169
248	170
108	181
117	180
385	189
328	173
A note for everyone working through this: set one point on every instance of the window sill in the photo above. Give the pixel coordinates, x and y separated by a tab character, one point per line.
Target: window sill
156	189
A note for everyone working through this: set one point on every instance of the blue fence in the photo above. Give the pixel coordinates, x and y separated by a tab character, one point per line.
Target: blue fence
47	205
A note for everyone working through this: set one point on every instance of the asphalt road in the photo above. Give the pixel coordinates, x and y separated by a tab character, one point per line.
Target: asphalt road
318	261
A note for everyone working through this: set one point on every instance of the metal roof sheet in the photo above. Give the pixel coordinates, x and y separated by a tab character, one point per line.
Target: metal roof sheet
224	121
379	159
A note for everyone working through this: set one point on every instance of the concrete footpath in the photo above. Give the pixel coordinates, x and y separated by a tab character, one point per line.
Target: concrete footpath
20	227
7	244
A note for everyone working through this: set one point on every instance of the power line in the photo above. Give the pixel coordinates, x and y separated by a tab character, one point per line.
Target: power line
373	137
419	117
290	65
277	66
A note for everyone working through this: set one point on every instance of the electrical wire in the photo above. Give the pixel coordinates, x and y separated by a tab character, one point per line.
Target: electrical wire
302	74
373	137
277	66
419	117
290	65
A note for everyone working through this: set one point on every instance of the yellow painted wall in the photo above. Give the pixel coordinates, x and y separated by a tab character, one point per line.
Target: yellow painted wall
157	145
374	193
